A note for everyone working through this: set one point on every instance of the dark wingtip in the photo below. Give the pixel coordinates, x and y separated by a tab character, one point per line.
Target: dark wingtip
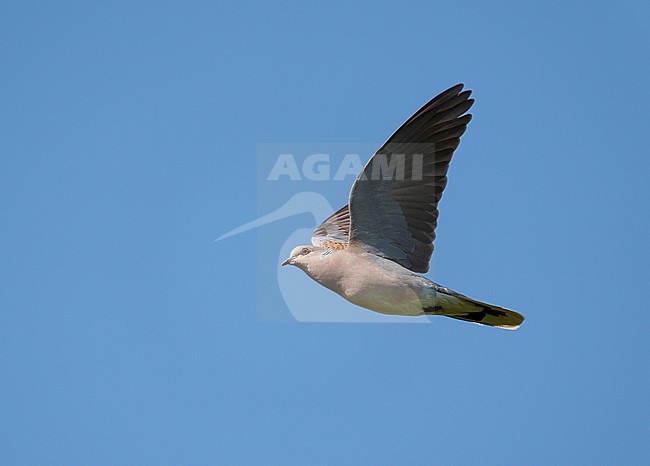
447	94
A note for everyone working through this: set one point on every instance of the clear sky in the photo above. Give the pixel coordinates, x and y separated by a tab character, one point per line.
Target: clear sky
130	135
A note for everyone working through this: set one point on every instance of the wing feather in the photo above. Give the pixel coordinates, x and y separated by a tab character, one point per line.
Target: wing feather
395	216
335	229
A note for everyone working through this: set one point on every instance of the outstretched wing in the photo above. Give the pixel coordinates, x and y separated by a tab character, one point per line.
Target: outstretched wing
335	229
394	201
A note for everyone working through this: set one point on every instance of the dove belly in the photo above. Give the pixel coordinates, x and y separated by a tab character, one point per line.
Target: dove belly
387	301
396	291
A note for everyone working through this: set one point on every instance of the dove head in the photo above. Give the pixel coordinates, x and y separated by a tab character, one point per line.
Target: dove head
300	256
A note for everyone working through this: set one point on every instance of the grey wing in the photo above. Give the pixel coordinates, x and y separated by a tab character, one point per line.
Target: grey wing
336	228
394	201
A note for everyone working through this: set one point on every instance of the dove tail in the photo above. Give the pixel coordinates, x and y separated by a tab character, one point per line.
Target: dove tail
455	305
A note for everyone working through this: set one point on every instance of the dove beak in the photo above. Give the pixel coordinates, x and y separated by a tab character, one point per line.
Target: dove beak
287	262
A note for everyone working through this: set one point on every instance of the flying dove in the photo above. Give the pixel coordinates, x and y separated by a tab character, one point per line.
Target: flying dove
371	251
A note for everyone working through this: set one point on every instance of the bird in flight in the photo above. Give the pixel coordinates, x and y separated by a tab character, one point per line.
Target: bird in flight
371	251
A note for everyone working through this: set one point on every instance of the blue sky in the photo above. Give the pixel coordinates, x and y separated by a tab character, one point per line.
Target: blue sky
130	132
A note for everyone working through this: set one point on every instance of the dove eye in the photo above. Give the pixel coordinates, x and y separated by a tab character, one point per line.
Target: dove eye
304	251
